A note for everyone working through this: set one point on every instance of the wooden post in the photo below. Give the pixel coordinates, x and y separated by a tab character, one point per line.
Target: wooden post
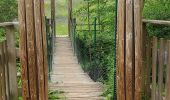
138	48
129	51
160	72
23	50
168	74
147	59
13	86
121	91
44	49
39	49
69	16
33	50
154	64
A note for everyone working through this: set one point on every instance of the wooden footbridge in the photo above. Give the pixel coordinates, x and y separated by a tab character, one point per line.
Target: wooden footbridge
49	62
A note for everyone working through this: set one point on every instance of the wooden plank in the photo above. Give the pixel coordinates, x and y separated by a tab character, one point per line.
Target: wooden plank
168	74
121	95
39	49
10	37
3	71
31	49
158	22
6	70
148	66
154	64
23	49
138	48
129	51
45	50
160	69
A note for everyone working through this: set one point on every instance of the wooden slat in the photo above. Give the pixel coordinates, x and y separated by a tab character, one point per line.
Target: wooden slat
10	37
147	72
168	74
45	50
39	49
138	48
1	95
160	69
31	49
129	51
154	64
121	95
23	49
159	22
6	70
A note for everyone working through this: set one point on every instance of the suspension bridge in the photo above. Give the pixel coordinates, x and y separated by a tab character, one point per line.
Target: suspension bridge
52	62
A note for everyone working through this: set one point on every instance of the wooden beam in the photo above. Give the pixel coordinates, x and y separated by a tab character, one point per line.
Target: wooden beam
44	50
129	51
23	49
8	24
157	22
39	49
29	4
121	91
138	48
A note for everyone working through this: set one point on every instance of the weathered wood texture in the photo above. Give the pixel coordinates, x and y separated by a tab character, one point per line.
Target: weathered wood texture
130	50
154	63
160	69
138	48
10	37
32	44
168	74
8	73
121	91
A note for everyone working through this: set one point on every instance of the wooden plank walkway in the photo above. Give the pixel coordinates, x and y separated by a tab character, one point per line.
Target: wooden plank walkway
68	76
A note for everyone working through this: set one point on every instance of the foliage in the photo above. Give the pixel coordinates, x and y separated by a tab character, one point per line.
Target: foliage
98	61
8	10
97	58
157	10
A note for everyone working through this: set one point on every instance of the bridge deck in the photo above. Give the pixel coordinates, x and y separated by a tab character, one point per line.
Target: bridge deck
68	76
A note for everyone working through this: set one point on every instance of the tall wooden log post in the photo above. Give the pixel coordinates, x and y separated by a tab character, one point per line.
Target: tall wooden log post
69	16
33	50
129	50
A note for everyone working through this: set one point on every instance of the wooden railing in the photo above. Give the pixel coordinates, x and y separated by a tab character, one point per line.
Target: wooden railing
8	70
157	60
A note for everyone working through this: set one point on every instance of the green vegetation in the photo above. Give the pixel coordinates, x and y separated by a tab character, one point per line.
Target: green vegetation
97	59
